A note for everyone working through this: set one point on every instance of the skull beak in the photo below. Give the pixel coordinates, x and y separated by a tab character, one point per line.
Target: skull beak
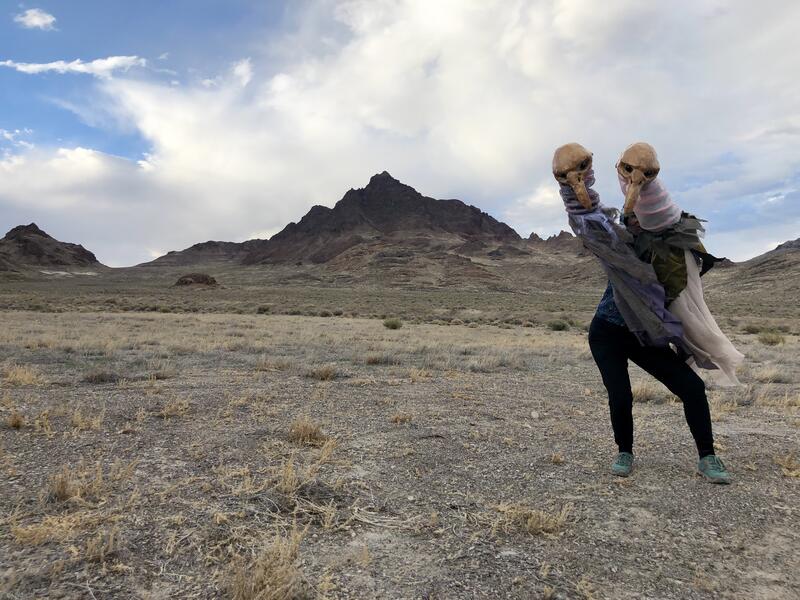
575	180
634	188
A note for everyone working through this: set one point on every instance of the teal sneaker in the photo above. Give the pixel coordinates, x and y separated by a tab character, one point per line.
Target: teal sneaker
712	469
623	464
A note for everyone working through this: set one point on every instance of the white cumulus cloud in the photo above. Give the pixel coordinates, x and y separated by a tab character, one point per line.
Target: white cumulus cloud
36	18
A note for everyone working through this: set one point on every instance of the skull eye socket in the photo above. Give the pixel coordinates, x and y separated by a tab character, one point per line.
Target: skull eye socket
584	164
651	173
627	168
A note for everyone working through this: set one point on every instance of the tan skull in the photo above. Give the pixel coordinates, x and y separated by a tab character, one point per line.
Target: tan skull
638	165
571	163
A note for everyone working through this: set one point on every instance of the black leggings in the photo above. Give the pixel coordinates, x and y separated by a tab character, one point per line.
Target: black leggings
612	346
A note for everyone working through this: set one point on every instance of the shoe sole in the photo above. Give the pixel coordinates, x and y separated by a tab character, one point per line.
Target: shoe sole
716	480
621	474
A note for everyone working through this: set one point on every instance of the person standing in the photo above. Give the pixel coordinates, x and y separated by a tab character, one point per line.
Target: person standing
632	322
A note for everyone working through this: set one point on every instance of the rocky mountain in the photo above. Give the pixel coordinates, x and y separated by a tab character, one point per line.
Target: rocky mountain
384	233
27	246
385	211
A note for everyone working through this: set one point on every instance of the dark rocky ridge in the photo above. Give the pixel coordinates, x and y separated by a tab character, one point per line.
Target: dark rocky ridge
29	246
384	210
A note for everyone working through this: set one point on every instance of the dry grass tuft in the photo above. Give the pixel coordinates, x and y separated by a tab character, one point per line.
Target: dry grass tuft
401	418
380	359
273	574
771	375
771	338
21	375
175	407
15	420
55	528
557	459
789	465
520	518
270	365
83	422
557	325
647	392
323	373
305	432
392	323
85	483
102	546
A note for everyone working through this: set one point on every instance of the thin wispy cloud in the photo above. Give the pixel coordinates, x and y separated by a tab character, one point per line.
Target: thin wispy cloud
101	67
36	18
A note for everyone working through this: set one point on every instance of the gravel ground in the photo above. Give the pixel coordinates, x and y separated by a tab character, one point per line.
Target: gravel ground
153	459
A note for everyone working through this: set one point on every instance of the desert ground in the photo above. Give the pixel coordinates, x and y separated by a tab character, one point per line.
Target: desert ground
286	442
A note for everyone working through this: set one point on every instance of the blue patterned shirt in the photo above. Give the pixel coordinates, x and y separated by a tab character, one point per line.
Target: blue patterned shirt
607	309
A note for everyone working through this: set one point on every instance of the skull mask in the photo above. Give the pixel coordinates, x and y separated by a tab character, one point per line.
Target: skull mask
637	166
571	163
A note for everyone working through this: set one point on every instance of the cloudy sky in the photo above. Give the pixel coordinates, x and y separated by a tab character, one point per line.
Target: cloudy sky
136	128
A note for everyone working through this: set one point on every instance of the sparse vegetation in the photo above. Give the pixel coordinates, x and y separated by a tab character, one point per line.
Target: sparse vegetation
273	574
648	391
323	373
175	407
520	518
432	427
789	465
771	374
557	325
15	420
22	375
392	323
401	418
771	338
305	432
380	359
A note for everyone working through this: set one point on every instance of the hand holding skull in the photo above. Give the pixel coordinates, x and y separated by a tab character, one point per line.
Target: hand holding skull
637	166
571	164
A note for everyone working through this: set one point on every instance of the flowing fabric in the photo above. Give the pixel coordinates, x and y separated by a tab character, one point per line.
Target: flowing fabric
703	337
638	294
671	238
654	209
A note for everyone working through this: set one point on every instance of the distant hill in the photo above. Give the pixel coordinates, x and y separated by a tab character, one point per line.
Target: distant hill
776	273
27	246
206	253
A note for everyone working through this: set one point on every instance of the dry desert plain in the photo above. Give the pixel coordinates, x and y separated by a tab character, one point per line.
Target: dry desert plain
166	443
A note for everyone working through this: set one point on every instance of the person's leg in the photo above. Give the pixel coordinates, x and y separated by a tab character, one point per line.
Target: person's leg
681	380
608	349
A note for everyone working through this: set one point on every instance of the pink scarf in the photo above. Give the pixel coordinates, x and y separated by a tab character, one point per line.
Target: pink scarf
655	209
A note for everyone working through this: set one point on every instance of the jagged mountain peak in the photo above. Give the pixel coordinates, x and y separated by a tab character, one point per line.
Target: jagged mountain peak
21	231
385	209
